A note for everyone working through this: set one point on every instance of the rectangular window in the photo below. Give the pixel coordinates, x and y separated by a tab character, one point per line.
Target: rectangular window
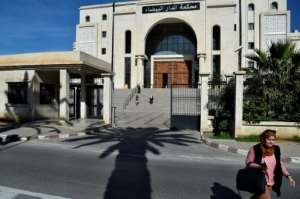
251	45
216	66
87	18
47	93
234	27
103	51
251	64
17	92
128	71
128	41
103	34
251	26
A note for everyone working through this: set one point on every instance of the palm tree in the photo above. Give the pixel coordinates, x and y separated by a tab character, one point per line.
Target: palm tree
273	84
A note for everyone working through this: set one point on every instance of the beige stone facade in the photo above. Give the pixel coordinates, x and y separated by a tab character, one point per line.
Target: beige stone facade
56	85
243	26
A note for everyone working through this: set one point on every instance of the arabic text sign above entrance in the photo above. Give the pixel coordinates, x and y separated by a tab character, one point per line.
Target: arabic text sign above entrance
171	7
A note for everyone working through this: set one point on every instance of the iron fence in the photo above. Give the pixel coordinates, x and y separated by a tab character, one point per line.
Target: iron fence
216	88
185	100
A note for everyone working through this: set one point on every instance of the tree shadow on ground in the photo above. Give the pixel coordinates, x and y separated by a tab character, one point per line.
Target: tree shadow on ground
222	192
131	177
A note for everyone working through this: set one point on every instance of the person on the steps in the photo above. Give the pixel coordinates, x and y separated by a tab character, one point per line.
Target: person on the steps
137	100
151	99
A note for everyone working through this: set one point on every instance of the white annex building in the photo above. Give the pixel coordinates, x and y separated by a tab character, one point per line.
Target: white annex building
153	44
159	43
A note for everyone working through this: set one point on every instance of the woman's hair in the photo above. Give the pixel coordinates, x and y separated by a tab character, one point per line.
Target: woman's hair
267	133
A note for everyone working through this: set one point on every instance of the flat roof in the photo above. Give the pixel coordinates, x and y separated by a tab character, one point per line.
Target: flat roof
54	60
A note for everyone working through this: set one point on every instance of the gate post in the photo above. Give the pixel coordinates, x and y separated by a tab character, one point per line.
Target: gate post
204	103
107	98
140	70
64	94
238	104
83	108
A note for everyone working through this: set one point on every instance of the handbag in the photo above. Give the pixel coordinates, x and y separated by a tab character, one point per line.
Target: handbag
251	180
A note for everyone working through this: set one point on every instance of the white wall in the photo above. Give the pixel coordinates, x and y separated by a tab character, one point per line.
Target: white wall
34	79
129	16
98	25
226	18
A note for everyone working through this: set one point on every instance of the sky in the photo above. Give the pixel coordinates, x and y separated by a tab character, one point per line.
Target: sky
50	25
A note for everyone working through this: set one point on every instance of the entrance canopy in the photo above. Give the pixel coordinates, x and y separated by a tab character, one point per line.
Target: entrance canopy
44	79
54	61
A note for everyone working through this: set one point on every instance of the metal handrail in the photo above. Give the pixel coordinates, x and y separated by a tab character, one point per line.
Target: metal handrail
129	98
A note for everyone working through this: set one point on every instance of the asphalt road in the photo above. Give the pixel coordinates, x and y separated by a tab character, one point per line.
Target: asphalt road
124	169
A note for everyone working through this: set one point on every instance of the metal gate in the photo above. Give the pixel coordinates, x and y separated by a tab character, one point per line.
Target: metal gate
185	107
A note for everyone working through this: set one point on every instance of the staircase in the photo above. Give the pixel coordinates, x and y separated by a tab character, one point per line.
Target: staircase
141	113
120	97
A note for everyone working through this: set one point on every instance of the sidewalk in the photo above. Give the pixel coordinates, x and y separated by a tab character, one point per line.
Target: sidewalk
47	129
290	150
4	126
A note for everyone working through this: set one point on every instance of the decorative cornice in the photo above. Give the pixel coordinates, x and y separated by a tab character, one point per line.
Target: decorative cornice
201	55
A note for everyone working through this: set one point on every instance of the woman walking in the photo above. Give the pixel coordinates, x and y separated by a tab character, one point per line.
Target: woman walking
266	156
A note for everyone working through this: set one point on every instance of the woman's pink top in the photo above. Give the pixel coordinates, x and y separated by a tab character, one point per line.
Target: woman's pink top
270	162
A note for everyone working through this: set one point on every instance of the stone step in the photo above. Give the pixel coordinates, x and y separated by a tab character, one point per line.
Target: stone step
142	119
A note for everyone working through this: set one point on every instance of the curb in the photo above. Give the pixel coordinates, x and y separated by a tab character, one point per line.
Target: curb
4	139
243	152
9	127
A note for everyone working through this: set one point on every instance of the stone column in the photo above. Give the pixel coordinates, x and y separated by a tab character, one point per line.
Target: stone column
107	98
140	70
201	57
83	111
204	123
64	94
35	94
238	107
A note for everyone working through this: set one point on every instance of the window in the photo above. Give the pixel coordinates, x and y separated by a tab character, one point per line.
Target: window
251	7
87	18
17	92
47	93
127	71
216	38
171	38
251	45
251	64
103	34
274	6
216	66
251	26
234	28
104	17
128	41
103	51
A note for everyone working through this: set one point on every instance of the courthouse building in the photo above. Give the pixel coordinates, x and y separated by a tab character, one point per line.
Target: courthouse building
150	43
157	43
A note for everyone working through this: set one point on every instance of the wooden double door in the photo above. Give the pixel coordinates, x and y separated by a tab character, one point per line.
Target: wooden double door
172	73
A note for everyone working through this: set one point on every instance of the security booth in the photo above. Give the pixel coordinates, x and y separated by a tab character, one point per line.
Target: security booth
54	85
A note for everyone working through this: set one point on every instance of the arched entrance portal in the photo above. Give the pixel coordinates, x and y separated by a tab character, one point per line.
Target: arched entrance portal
171	48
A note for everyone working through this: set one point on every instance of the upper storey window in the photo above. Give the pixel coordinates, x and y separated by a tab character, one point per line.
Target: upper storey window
251	7
128	41
216	38
274	6
87	18
104	17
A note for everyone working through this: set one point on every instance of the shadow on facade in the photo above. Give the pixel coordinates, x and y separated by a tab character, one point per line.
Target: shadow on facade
131	178
33	109
222	192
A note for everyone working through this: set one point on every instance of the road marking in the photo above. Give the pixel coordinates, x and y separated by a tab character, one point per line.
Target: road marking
11	193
